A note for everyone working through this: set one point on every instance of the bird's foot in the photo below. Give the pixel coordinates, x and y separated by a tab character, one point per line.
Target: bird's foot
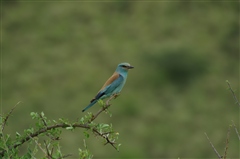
107	102
116	95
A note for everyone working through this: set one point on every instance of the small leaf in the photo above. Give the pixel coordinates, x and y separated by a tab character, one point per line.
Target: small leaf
33	115
70	128
104	125
82	120
18	143
118	147
60	119
100	102
86	134
17	134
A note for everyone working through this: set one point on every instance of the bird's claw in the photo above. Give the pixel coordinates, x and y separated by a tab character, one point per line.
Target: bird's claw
107	104
116	95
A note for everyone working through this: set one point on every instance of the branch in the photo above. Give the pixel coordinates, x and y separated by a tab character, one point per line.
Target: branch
49	128
105	136
47	153
233	93
227	141
104	107
219	156
64	125
8	115
39	145
236	130
37	133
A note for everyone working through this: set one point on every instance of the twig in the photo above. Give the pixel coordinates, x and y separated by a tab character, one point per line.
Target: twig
233	93
43	120
45	124
219	156
48	154
52	150
227	142
65	156
104	107
104	135
108	141
8	115
39	145
236	130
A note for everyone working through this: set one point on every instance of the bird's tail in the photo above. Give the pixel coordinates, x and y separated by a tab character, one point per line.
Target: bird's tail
91	104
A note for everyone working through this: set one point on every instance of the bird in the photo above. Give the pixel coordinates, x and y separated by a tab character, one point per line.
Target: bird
113	85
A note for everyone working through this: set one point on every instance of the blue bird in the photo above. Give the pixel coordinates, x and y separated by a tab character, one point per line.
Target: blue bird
113	85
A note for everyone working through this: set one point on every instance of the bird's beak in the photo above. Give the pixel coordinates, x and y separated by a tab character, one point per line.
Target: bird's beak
130	67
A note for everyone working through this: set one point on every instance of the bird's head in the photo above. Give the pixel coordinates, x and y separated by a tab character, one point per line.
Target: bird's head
124	67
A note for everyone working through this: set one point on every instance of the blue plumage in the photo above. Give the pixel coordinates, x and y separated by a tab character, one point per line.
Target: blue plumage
113	85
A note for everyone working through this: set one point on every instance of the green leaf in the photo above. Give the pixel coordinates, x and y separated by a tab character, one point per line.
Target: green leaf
118	147
86	134
82	120
105	125
70	128
17	134
16	143
42	114
34	115
100	102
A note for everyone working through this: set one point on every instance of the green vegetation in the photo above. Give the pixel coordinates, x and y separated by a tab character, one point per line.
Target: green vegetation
56	55
50	132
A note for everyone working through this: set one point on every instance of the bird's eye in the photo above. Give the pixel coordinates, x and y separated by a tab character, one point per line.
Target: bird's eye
124	66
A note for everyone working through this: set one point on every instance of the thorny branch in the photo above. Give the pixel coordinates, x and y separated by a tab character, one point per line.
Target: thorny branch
7	116
219	156
227	142
228	133
40	147
63	125
233	93
104	107
236	130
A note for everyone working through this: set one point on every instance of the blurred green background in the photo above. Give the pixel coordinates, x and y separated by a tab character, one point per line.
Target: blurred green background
57	55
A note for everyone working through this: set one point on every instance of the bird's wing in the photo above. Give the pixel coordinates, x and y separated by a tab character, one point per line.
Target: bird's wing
114	77
110	85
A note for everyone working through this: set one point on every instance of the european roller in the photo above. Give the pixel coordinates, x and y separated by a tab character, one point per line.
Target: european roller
113	85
